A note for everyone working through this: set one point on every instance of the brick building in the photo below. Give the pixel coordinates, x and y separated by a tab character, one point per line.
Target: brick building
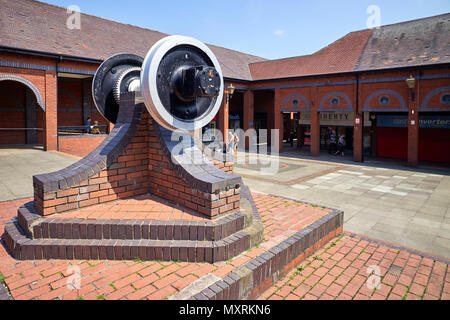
355	85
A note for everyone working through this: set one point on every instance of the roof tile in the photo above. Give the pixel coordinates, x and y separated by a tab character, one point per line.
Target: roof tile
33	25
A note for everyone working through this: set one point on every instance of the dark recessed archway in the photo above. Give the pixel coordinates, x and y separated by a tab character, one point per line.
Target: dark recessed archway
27	83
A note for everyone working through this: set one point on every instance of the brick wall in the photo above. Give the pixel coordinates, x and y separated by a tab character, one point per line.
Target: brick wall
79	146
70	112
45	81
166	183
127	176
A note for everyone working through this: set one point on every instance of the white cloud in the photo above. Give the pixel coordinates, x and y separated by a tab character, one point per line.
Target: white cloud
279	33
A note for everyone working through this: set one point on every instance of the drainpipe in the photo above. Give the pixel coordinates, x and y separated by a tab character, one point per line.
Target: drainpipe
57	101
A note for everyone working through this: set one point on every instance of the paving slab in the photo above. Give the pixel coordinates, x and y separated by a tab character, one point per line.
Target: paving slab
19	165
383	191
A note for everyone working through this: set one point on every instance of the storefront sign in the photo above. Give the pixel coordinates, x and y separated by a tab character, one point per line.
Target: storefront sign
340	119
426	121
235	116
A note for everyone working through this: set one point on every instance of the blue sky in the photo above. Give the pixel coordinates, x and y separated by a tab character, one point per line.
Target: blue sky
268	28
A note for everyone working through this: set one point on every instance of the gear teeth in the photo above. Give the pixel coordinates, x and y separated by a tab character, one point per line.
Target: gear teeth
118	83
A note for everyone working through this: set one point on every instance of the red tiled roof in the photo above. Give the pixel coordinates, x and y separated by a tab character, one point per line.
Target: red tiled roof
29	24
33	25
411	43
340	56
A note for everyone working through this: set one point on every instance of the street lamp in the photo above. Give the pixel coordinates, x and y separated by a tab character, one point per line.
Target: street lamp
230	90
411	83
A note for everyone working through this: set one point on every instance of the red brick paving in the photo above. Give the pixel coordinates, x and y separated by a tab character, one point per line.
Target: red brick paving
141	208
336	271
113	280
339	272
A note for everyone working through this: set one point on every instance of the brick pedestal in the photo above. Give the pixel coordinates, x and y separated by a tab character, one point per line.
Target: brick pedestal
138	158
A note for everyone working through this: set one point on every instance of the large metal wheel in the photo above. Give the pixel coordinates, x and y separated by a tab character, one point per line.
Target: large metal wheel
182	83
110	80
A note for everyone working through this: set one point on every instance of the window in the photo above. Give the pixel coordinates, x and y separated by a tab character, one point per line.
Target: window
385	100
335	102
446	98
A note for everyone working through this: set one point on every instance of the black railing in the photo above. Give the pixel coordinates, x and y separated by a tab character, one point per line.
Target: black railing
21	129
82	130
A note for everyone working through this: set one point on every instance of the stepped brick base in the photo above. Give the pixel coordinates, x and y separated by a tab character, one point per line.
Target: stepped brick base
33	237
138	158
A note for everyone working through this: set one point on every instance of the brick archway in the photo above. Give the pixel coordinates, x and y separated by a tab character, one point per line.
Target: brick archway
27	83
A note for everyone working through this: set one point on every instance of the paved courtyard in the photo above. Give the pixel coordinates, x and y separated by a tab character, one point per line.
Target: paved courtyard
19	165
135	280
351	268
409	207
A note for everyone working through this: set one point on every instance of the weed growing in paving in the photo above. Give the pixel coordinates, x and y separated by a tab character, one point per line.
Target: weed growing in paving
298	271
318	258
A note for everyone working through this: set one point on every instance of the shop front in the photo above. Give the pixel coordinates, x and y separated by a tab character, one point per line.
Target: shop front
341	123
235	121
434	136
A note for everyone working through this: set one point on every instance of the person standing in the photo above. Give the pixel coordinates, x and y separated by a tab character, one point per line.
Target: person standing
88	125
341	145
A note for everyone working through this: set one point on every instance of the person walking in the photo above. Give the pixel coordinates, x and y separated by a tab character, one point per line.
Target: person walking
332	145
341	145
232	142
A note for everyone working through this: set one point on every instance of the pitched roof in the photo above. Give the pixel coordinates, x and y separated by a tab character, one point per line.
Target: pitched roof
340	56
412	43
33	25
417	42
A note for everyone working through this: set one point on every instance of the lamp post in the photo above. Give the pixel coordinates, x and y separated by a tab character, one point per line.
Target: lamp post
413	125
411	83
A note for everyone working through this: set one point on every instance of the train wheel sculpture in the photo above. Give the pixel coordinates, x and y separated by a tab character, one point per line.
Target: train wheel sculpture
180	81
